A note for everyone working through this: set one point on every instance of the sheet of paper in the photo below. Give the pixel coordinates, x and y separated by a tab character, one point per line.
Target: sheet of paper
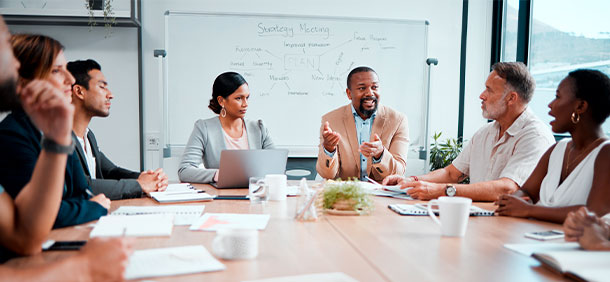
529	249
163	197
134	225
318	277
183	214
215	221
171	261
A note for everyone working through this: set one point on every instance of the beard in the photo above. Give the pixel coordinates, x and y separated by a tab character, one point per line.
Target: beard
494	111
365	112
8	95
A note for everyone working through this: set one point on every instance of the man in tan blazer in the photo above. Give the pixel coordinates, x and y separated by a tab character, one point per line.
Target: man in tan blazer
363	138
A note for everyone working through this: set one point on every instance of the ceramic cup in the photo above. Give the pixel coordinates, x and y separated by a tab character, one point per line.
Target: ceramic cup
258	190
277	186
454	213
233	243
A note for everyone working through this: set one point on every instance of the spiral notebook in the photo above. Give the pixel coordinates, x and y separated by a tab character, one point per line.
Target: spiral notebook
421	209
183	214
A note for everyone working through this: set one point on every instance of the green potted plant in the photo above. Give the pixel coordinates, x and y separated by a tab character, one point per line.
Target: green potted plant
346	197
106	7
443	154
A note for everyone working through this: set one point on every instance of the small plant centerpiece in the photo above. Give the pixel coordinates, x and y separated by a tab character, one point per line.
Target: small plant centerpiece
346	197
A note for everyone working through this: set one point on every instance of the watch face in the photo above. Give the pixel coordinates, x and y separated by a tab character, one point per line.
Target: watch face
450	191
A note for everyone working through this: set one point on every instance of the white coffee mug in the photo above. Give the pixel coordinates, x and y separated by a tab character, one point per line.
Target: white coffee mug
233	243
454	213
277	186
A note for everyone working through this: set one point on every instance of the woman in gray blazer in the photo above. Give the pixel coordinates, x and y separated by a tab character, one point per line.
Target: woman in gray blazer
229	130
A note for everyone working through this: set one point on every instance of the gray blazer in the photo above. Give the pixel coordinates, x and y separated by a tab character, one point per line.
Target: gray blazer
113	181
206	143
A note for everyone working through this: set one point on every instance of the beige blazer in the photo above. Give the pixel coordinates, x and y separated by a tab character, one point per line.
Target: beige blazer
392	128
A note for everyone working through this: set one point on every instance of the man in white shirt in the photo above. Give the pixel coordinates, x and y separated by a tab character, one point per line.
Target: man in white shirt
502	154
91	98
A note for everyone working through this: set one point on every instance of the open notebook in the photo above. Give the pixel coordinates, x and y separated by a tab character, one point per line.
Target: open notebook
183	215
568	259
419	209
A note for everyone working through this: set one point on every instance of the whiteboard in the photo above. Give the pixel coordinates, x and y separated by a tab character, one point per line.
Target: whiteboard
296	68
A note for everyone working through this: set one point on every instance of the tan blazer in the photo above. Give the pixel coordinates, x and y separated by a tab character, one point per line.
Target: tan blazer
392	128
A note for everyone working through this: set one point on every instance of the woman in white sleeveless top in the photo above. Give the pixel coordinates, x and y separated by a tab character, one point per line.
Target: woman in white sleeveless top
575	171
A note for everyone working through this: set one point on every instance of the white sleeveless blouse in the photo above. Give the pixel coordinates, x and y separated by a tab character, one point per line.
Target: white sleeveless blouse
574	190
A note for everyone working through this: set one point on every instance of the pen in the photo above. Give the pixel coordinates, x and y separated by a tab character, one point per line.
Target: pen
89	192
372	181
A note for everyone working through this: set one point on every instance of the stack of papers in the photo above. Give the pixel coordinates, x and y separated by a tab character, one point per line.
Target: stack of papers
183	215
136	225
182	192
171	261
215	221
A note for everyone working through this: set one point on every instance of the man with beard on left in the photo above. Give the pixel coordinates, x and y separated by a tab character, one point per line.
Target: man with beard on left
363	139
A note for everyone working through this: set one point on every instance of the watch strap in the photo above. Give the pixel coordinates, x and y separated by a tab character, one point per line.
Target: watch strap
51	146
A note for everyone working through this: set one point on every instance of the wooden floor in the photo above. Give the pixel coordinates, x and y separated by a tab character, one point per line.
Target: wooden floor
383	246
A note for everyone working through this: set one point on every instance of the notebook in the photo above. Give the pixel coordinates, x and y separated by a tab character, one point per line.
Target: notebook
419	209
183	215
134	225
568	259
171	261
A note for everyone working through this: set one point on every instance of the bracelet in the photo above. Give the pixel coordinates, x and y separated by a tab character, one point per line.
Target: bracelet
51	146
414	177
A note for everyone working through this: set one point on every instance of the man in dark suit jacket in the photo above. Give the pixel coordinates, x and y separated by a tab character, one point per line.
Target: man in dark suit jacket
91	97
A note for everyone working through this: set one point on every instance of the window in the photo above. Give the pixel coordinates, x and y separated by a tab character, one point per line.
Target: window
566	35
509	34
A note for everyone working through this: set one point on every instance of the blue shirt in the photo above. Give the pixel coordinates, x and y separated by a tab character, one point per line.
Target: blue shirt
363	132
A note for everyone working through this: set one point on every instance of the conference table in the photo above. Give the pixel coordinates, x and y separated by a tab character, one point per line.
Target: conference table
382	246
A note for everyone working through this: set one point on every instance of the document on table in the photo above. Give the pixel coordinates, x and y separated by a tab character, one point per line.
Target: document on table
197	196
171	261
215	221
183	214
318	277
529	249
393	191
568	259
135	225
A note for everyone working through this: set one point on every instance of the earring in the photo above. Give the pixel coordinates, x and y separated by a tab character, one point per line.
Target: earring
223	112
575	118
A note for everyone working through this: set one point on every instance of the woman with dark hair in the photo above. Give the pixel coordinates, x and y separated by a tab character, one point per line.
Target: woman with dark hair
41	59
229	130
574	172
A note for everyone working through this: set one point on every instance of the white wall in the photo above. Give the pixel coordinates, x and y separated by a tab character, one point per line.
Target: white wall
117	135
444	43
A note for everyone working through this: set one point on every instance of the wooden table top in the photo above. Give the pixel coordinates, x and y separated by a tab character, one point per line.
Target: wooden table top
383	246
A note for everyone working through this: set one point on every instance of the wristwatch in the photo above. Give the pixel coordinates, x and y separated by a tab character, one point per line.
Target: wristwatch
450	190
52	147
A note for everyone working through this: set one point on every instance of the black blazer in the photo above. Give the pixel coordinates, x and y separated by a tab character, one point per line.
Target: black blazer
115	182
19	150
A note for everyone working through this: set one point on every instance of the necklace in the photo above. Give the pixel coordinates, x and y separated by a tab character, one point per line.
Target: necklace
568	164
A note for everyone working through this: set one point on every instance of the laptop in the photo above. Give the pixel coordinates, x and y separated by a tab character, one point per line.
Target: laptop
237	166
